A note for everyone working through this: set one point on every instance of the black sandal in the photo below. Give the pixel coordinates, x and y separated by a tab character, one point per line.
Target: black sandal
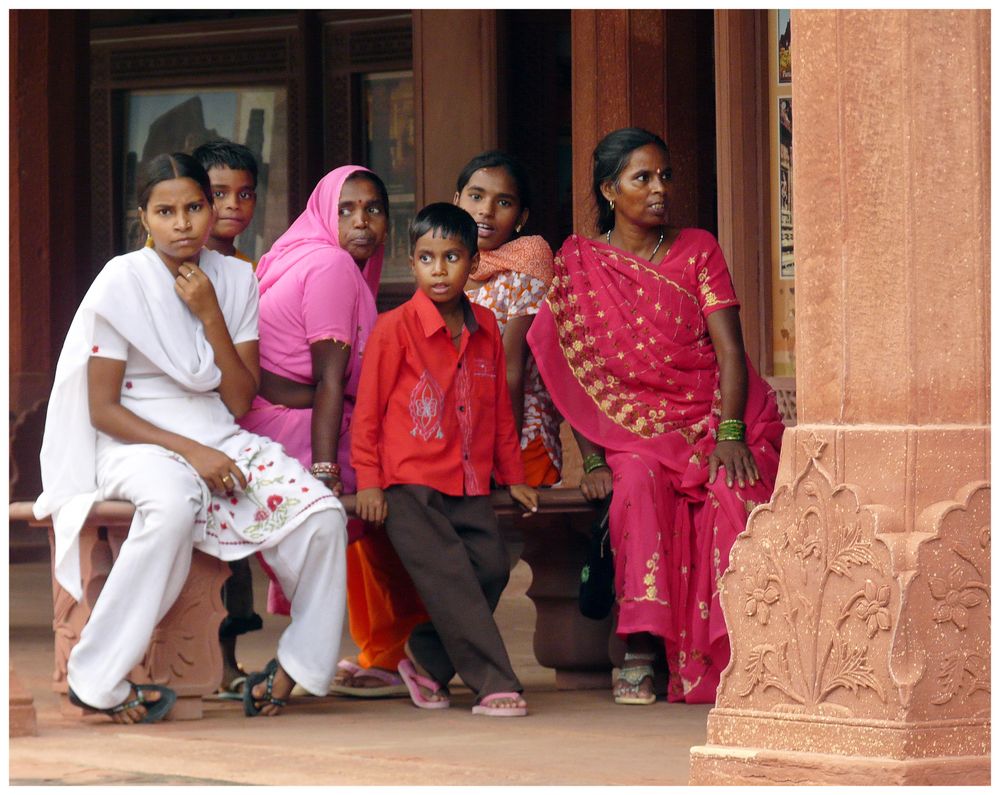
250	708
155	710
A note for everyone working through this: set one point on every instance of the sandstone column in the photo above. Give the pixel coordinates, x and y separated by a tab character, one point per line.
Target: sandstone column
858	601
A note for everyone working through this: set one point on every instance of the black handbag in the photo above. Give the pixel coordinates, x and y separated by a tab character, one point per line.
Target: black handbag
597	577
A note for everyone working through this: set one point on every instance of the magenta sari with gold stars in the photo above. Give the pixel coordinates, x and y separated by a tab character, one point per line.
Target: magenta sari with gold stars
624	349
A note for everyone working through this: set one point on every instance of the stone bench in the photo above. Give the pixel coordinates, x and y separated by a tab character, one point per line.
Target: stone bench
184	651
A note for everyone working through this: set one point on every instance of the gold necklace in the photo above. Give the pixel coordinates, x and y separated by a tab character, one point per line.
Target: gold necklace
655	249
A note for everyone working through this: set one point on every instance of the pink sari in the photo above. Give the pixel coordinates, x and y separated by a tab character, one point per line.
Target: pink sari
623	347
311	289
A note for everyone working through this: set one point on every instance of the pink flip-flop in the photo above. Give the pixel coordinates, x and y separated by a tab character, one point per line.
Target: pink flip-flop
415	681
392	685
484	708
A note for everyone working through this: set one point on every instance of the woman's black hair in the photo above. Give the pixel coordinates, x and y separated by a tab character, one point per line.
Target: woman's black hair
611	155
448	220
375	180
175	166
222	152
497	159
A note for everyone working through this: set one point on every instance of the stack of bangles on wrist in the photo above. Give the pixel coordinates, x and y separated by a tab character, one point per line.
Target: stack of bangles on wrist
592	462
731	431
325	471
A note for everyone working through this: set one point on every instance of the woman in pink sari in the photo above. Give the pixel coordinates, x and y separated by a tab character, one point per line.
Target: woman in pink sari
317	307
640	346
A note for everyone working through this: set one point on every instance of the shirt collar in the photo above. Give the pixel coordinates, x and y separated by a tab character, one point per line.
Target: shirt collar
430	318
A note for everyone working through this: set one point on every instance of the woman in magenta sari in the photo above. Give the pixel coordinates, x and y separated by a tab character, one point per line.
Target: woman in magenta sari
640	346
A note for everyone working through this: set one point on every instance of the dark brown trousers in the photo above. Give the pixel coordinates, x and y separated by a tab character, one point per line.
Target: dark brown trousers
456	557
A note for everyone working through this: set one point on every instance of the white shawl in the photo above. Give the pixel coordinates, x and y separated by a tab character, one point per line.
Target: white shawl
135	294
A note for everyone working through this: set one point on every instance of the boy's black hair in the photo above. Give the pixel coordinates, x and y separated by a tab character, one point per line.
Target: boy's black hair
222	152
497	159
448	220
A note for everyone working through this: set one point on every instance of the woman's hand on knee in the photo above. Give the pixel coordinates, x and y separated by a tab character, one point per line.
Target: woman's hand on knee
370	505
597	484
216	468
738	461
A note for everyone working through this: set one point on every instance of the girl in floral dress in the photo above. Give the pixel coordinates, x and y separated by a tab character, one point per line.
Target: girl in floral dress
512	278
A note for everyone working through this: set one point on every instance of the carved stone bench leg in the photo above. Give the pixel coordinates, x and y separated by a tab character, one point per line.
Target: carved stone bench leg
555	547
23	722
184	651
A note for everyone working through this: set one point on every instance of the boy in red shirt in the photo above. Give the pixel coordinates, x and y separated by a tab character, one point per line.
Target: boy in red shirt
432	422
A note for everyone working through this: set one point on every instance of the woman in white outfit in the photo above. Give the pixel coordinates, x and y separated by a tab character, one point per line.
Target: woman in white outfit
159	361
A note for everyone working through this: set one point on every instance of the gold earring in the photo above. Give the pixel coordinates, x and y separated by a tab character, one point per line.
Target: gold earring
612	203
517	229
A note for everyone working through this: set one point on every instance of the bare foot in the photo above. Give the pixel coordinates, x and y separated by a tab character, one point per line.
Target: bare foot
441	694
508	703
363	680
625	689
137	713
281	690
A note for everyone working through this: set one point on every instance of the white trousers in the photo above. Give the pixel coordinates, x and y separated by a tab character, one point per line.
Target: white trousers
153	564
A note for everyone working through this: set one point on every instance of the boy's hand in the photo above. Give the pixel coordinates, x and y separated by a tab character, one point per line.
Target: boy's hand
370	505
527	496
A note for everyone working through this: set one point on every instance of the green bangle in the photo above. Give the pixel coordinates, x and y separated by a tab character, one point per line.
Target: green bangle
731	431
592	462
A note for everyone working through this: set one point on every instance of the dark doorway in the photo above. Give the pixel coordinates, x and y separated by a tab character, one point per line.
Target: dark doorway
535	112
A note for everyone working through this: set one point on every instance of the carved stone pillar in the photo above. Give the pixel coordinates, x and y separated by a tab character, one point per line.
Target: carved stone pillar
858	601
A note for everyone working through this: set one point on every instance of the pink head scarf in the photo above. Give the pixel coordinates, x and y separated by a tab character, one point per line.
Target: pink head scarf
316	229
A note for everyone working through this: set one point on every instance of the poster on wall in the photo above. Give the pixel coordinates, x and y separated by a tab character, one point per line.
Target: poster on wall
784	45
785	188
390	147
158	122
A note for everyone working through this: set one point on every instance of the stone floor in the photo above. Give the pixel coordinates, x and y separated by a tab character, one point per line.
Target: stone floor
578	737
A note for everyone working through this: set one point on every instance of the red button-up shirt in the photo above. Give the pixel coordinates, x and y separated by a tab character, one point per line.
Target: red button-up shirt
429	414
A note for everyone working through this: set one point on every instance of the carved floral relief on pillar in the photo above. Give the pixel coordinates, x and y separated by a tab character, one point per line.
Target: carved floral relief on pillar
810	602
952	596
835	610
